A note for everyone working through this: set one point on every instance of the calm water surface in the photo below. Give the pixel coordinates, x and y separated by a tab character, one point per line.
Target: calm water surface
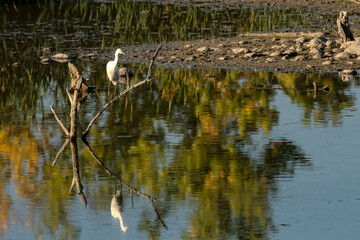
223	160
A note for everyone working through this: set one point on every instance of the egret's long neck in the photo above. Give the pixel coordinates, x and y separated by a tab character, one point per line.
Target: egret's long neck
116	57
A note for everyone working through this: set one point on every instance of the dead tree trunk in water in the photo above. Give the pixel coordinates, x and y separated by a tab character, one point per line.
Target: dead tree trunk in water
79	92
344	27
73	137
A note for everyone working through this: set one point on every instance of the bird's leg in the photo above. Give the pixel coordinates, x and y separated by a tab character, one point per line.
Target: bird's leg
127	79
114	91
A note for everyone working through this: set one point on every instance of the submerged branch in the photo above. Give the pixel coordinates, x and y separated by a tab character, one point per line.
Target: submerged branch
107	105
131	189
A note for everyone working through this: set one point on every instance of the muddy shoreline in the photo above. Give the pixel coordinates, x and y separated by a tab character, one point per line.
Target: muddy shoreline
321	50
272	53
304	52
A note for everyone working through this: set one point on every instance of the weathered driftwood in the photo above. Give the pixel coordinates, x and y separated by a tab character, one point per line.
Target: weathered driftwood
344	27
75	75
107	105
123	183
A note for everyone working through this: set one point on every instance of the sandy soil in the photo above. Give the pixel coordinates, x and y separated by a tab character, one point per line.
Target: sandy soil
273	52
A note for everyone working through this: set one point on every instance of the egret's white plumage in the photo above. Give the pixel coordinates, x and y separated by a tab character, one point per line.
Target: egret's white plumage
112	68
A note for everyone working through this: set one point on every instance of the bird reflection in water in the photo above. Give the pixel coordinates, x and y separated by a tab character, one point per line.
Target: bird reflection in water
124	76
116	208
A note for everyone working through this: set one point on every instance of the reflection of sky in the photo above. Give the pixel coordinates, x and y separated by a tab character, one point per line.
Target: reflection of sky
323	203
18	227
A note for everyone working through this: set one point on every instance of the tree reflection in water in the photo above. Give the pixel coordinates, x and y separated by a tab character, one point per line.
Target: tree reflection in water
186	139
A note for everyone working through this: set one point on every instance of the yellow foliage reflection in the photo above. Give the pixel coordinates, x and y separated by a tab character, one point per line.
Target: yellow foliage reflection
20	168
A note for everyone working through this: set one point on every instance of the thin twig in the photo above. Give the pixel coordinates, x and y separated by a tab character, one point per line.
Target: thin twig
158	215
69	95
85	133
132	198
60	122
153	60
60	151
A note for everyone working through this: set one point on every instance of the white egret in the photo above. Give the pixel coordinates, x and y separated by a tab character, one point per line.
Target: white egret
116	208
112	68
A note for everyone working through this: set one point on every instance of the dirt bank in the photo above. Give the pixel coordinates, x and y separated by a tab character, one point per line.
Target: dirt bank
324	5
321	51
273	52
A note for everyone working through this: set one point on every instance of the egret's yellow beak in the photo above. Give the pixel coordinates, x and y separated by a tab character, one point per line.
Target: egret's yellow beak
121	52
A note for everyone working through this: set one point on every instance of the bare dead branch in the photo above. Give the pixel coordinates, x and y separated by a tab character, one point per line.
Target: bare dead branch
83	199
122	93
75	105
73	134
158	215
72	185
69	95
153	60
74	109
60	151
66	131
73	143
74	72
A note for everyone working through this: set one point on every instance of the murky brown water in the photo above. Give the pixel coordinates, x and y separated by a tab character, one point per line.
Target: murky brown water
223	160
